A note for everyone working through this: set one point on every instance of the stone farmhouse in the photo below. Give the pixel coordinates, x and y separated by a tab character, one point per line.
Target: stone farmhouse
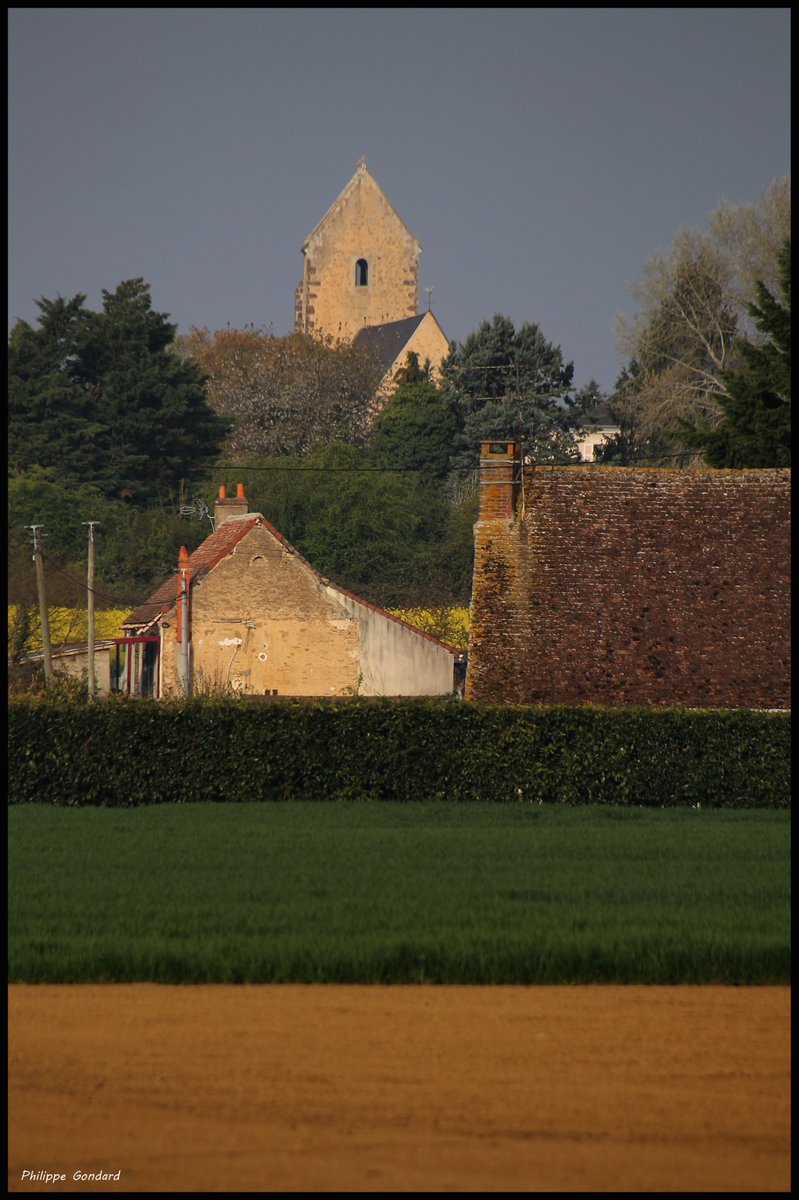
360	281
618	585
246	611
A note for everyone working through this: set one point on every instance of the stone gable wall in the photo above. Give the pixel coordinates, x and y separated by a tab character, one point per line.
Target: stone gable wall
262	623
633	586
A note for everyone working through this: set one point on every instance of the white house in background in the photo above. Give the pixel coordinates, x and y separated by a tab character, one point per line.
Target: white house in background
598	426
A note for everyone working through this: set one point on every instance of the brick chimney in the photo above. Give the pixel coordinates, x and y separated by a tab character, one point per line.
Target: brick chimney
500	475
229	506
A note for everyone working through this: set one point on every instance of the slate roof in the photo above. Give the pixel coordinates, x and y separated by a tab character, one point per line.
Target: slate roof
600	416
386	342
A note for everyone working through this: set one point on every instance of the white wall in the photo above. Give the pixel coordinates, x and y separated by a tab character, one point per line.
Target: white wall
395	660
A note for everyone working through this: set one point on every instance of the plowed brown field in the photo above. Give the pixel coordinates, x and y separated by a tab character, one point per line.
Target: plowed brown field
437	1089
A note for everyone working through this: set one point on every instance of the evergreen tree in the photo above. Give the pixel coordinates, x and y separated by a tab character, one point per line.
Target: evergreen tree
416	428
52	422
506	383
98	398
755	429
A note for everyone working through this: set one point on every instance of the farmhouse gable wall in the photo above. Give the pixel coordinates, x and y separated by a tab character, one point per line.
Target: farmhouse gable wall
263	621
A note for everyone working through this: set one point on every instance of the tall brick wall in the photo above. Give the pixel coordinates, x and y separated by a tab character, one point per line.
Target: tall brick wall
633	586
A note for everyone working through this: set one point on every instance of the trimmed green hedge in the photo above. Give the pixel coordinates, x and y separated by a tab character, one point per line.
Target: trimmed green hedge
130	753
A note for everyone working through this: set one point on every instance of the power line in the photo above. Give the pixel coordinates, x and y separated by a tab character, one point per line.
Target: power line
433	470
53	566
329	470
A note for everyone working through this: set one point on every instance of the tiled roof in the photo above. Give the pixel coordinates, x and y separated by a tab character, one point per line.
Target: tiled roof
386	342
65	650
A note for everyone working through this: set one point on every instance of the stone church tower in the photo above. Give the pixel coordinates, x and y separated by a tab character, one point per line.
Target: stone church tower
361	265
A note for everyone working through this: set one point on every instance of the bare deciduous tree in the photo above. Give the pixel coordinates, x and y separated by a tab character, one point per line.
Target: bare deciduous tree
692	306
285	394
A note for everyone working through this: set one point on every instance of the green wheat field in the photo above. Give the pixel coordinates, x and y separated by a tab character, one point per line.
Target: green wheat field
398	893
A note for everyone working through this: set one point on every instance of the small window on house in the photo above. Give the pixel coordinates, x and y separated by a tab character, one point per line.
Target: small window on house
361	273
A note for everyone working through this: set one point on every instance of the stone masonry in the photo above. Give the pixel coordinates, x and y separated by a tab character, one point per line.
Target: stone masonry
361	265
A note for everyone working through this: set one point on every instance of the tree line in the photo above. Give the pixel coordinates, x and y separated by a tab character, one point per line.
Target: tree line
695	387
115	418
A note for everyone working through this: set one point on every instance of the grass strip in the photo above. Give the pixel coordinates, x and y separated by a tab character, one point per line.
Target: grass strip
366	893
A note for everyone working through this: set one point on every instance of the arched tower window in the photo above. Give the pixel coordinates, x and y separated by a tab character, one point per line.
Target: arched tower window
361	273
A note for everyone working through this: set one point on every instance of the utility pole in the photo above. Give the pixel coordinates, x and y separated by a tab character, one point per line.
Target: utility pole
44	615
90	609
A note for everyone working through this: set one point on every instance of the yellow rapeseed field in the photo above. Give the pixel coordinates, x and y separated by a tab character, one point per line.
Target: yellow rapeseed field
451	625
70	625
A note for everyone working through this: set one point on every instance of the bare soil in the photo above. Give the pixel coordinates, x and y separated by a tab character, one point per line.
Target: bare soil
405	1089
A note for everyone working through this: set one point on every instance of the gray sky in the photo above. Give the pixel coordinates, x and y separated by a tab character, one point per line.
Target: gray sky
539	155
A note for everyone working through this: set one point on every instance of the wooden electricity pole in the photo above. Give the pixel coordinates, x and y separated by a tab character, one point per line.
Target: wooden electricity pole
90	610
44	615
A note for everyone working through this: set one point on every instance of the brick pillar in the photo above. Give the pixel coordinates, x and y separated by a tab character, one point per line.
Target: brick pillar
500	469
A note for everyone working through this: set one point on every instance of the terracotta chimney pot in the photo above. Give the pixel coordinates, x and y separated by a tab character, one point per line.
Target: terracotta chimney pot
230	506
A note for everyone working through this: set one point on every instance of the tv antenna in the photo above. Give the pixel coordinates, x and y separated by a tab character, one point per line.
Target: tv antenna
198	511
